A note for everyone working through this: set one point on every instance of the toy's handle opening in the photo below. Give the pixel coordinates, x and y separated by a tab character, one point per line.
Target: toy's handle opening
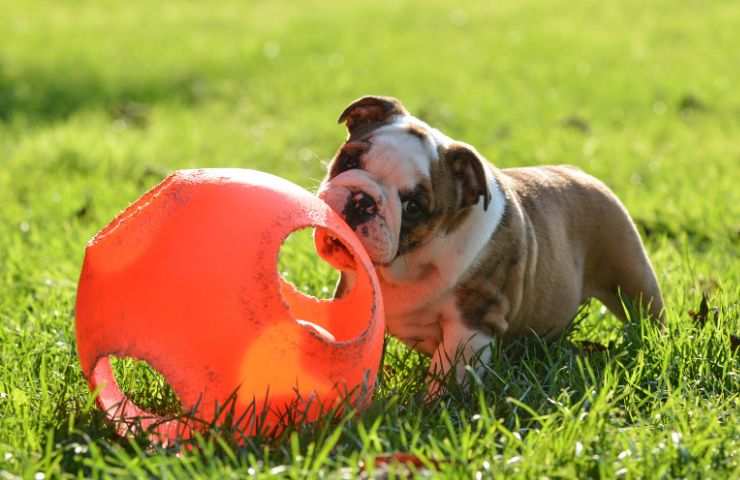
127	416
334	320
333	250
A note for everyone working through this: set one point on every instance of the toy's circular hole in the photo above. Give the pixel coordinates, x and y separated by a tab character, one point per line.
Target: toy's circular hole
164	419
336	320
144	386
300	266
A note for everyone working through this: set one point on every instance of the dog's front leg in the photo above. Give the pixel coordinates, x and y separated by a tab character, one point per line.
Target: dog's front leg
460	347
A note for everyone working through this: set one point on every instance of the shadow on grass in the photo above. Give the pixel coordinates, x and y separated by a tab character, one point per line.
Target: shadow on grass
47	96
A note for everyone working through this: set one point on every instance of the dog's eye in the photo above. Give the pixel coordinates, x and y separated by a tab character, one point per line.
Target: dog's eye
412	210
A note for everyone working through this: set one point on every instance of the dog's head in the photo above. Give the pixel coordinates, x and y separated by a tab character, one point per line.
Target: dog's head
398	182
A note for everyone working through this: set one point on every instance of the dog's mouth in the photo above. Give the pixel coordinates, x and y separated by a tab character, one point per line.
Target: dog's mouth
333	250
362	214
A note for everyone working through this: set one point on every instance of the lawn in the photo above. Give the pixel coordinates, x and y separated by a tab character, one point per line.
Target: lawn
100	100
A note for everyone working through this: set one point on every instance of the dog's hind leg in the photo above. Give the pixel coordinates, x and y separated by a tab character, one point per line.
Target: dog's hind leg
630	276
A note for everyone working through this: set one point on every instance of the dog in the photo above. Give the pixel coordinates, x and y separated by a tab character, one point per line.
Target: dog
466	252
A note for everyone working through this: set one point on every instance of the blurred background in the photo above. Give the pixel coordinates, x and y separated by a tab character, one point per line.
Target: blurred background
100	100
130	88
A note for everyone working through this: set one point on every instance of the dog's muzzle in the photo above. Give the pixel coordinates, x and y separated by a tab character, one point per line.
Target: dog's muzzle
359	209
362	205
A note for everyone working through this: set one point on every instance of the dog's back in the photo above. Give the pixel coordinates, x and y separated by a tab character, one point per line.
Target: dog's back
583	231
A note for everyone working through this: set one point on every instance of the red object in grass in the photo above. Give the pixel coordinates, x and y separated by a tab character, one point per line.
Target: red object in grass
186	279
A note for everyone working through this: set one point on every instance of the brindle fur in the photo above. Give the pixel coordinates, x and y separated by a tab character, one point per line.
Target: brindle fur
418	132
520	285
350	151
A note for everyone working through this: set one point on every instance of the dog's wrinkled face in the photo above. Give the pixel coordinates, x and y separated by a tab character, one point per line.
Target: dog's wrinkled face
397	182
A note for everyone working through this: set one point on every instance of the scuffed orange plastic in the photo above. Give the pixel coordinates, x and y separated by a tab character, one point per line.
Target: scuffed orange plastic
186	279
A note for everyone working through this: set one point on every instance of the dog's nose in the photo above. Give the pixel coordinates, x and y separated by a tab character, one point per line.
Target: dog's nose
360	208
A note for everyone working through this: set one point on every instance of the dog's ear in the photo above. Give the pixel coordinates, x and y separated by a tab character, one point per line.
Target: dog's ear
370	110
466	166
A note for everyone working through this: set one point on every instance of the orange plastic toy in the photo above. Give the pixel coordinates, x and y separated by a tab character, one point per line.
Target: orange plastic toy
186	279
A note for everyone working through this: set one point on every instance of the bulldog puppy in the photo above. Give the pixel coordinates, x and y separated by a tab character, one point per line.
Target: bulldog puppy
465	251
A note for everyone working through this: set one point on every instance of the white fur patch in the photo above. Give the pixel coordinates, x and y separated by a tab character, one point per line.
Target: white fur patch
397	159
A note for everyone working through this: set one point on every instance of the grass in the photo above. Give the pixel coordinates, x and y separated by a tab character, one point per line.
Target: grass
99	100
